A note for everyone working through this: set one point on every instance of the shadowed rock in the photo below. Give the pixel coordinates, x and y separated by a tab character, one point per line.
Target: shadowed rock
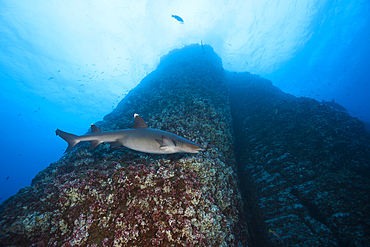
304	167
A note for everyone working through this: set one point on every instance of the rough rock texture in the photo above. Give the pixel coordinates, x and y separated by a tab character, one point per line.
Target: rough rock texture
304	167
108	197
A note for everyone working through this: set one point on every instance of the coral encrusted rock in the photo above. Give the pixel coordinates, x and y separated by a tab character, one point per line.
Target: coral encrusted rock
108	197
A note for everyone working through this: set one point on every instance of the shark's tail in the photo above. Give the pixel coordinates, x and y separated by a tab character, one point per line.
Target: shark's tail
70	138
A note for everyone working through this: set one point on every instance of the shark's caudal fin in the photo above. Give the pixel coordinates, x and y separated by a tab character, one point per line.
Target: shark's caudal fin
70	138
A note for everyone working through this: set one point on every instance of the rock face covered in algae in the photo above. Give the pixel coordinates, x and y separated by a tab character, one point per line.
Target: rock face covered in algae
108	197
304	167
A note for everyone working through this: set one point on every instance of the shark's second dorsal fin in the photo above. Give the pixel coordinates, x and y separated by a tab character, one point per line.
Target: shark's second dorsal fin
94	128
139	122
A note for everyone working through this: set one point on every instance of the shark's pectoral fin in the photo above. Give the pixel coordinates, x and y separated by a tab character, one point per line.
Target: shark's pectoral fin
115	144
167	144
94	144
167	141
159	141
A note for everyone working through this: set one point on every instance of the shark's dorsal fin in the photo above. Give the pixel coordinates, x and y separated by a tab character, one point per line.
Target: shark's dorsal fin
94	128
139	122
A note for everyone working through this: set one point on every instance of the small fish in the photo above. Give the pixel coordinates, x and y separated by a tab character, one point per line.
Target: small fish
19	115
276	235
7	178
50	78
178	18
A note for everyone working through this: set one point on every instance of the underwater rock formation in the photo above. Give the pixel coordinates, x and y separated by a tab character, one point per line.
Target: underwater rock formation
107	197
304	167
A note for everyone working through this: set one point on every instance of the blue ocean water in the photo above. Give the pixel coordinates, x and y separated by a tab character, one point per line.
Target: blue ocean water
67	64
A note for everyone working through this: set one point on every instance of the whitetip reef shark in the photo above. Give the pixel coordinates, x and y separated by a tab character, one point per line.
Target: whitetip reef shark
140	138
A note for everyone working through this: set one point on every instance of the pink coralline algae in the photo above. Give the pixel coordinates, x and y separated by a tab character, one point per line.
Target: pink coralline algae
80	232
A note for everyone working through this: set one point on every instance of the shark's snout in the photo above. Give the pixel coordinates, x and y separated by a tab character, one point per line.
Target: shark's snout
194	148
